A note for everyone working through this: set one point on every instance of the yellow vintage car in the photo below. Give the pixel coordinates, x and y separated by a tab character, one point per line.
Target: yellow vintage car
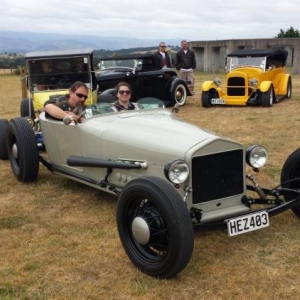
254	77
51	73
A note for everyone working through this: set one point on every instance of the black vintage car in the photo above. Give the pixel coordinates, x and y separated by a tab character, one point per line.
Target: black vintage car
145	76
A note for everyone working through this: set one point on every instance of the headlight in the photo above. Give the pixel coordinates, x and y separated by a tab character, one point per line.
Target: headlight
177	171
256	156
253	82
217	81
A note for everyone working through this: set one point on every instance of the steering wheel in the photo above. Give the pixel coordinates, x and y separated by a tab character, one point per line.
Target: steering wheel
70	119
81	114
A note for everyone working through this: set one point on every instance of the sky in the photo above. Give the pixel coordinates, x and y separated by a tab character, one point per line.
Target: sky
165	19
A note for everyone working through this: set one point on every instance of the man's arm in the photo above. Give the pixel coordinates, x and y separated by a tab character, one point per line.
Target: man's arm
194	60
177	58
56	112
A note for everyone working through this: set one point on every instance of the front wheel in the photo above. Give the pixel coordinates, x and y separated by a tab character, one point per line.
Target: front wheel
3	147
290	176
155	227
207	96
267	98
22	150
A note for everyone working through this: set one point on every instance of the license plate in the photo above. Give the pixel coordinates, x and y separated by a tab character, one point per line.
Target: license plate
247	223
217	101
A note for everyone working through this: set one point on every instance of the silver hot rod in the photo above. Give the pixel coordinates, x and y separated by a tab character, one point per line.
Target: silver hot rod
168	182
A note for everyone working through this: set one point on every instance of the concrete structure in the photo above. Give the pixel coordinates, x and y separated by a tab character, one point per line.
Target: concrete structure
211	55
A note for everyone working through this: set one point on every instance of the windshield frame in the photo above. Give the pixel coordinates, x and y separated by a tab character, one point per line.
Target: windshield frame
63	67
236	62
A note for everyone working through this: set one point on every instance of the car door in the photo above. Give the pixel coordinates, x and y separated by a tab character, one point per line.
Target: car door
152	84
61	141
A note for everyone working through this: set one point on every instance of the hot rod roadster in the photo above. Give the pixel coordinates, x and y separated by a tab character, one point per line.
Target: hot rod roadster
254	77
167	182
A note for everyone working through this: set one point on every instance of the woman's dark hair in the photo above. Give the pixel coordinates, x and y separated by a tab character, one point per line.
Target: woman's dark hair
123	83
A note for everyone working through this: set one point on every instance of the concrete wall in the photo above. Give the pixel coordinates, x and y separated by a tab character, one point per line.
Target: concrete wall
211	55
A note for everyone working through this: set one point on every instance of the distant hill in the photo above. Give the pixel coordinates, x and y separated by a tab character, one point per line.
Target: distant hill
22	42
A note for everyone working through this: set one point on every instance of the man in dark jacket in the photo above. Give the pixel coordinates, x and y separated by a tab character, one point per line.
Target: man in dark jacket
186	64
164	57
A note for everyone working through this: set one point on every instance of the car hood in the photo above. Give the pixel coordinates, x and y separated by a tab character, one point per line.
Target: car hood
154	133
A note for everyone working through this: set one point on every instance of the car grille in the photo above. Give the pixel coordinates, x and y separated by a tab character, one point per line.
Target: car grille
217	176
236	86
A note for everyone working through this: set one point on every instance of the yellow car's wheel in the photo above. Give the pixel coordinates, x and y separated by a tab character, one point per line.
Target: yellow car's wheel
26	108
289	89
267	98
207	96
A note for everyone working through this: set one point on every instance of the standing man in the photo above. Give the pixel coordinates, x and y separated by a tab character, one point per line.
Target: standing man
164	57
186	64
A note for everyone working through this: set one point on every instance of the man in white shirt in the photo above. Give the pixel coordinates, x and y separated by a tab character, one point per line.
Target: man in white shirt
164	56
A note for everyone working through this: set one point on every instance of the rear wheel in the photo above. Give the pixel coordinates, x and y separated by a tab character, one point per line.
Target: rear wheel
3	147
290	176
26	108
289	89
179	94
155	227
22	150
267	97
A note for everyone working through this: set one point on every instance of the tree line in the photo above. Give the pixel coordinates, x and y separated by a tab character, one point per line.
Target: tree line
14	61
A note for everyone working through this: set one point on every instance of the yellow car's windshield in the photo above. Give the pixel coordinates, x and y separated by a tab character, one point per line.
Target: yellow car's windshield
242	62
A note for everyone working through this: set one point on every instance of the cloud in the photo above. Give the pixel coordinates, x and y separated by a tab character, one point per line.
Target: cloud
192	20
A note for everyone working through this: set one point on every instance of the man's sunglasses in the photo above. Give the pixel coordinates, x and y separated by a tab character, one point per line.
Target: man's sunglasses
79	95
127	92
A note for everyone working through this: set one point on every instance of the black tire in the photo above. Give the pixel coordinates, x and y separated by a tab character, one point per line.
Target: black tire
268	97
155	227
26	108
179	94
22	150
290	171
289	89
207	96
3	147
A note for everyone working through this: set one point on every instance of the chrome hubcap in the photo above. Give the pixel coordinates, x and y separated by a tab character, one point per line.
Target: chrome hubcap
15	151
140	230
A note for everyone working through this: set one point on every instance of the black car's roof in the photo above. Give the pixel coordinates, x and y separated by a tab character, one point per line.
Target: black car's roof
154	59
128	56
280	54
59	53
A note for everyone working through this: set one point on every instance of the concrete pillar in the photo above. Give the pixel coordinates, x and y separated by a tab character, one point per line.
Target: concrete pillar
207	68
296	61
209	53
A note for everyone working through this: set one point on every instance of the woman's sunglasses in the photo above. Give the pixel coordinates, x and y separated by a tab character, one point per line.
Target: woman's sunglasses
127	92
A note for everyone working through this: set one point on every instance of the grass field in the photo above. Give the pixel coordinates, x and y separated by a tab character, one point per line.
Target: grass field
58	238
